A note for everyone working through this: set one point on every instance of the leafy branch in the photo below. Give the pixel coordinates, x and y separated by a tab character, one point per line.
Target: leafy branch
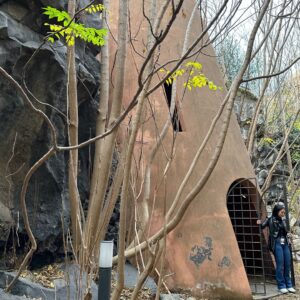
267	141
196	78
71	29
95	8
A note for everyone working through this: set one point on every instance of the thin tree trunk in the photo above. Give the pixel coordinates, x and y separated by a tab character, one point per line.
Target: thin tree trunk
129	156
73	140
284	131
103	106
101	122
267	69
112	198
31	237
96	203
164	249
142	278
124	198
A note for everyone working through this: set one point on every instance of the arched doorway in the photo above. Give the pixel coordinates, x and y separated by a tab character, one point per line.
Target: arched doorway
244	208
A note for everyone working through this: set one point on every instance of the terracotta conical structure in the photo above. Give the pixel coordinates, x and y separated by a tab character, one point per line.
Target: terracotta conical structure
202	251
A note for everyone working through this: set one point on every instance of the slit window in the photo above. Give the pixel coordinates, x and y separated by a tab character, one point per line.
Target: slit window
177	126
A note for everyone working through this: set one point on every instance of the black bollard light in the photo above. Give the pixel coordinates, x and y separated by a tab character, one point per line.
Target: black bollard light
105	266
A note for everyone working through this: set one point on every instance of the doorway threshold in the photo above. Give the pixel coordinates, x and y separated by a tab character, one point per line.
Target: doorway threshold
270	292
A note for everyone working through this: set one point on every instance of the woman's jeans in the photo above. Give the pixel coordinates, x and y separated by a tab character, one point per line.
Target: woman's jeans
283	265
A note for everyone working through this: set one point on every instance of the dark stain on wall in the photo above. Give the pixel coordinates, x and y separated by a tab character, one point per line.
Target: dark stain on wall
225	262
200	253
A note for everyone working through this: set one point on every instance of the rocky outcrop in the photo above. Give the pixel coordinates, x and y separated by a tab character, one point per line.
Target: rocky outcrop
264	153
21	33
6	222
244	107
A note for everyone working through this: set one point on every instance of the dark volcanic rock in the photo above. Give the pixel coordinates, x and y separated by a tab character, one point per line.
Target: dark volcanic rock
47	196
6	222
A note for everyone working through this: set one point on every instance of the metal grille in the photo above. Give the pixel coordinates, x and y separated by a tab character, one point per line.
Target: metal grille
243	205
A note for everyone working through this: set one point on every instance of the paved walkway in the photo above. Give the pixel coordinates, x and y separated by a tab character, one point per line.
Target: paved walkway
271	291
4	296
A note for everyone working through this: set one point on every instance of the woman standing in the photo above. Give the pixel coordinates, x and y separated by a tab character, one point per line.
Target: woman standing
279	245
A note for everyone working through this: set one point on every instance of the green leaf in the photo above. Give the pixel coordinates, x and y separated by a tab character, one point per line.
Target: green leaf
51	39
73	29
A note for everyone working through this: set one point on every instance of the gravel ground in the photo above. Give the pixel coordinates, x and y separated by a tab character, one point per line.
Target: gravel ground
297	280
288	296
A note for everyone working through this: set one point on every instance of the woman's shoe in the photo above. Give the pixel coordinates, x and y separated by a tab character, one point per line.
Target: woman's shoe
291	290
283	291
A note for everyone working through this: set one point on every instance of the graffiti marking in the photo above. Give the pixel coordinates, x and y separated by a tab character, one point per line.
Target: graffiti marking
200	253
225	262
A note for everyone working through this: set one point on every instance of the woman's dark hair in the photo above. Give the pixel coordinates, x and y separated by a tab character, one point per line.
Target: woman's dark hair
277	208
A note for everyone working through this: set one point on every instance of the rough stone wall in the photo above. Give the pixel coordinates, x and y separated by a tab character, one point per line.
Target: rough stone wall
264	154
21	32
244	107
263	158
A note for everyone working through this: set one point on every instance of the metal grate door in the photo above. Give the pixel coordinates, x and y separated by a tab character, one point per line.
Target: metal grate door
243	205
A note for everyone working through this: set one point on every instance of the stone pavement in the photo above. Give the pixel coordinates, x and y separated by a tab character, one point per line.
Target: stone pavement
4	296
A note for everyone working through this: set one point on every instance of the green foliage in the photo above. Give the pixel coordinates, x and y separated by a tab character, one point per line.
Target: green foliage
267	141
69	29
294	202
294	142
295	156
196	78
297	125
95	8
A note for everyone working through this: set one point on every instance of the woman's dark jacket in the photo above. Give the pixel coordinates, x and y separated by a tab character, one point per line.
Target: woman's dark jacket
277	226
